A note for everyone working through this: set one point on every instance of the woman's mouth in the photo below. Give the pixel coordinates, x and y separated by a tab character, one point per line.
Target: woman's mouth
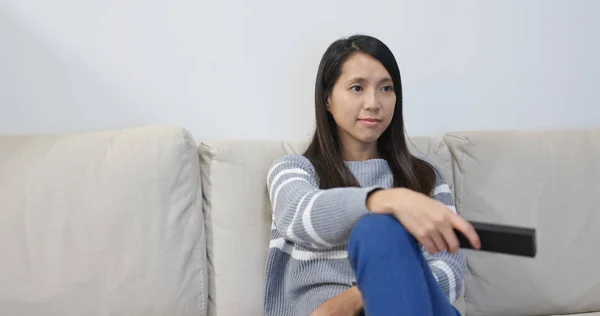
370	121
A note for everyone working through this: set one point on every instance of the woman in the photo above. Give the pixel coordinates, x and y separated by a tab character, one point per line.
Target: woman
359	224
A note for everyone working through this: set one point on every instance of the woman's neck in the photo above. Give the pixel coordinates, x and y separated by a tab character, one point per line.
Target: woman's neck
359	152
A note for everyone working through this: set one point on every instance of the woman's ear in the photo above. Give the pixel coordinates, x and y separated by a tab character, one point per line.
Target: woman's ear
327	102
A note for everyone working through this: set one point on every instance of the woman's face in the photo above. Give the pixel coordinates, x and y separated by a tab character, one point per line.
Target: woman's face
362	101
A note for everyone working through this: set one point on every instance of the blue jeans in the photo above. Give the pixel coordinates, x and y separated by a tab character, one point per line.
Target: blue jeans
391	272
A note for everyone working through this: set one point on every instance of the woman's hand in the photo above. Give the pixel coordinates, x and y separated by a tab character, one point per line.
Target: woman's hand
347	303
431	222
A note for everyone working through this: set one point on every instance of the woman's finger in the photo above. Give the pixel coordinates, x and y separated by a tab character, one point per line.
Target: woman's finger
451	239
466	229
428	243
438	240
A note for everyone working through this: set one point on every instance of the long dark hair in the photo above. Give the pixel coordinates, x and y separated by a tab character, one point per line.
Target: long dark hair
324	150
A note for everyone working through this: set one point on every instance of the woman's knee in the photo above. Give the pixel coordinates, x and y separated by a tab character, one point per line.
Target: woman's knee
378	228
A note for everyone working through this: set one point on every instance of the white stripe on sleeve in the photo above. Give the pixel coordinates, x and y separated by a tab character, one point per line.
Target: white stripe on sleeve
307	221
304	255
273	170
442	188
284	172
451	279
287	181
290	230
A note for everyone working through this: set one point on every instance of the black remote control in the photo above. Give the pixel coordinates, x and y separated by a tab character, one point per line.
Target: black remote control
511	240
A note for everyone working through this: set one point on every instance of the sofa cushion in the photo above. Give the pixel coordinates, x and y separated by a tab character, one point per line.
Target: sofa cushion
104	223
547	180
238	215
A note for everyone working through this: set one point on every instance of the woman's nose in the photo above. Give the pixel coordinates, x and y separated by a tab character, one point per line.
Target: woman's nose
371	102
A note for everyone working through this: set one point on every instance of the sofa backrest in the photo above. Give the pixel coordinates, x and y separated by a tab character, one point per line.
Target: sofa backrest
548	180
105	223
112	223
238	215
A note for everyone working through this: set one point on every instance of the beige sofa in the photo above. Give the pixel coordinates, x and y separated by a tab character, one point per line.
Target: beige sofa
152	221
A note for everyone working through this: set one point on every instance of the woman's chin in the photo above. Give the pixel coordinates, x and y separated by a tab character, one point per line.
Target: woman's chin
369	138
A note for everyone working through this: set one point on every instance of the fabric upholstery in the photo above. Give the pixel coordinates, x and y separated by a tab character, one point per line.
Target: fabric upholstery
547	180
105	223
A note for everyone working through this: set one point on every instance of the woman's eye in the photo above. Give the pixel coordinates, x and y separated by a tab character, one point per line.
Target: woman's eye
388	88
356	88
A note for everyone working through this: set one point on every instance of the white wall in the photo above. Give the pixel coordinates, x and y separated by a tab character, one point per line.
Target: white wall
246	69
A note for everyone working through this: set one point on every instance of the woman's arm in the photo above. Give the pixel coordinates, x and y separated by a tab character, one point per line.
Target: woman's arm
448	268
307	215
431	219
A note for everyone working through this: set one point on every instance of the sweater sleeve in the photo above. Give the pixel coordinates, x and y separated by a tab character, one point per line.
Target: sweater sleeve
307	215
448	269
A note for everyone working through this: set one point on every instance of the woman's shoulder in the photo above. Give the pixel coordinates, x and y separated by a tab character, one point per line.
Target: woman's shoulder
441	190
292	161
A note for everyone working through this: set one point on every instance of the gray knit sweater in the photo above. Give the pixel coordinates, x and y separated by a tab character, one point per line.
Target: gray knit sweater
307	261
